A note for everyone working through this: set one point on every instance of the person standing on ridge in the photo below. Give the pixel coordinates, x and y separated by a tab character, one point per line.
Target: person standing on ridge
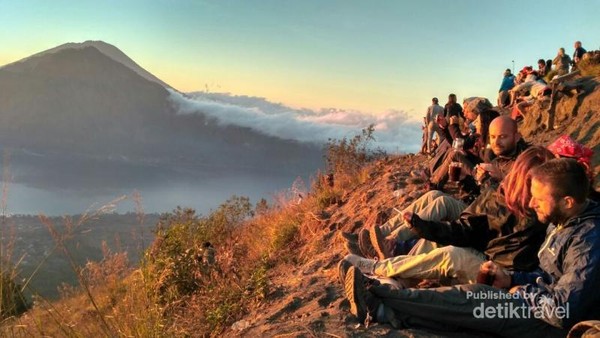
562	62
452	108
578	54
433	112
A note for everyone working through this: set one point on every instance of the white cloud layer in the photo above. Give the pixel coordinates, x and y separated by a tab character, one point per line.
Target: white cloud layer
394	130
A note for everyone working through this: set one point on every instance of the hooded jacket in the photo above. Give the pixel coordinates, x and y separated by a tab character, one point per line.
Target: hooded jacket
569	274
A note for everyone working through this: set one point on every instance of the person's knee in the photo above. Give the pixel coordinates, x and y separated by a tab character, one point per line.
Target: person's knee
433	195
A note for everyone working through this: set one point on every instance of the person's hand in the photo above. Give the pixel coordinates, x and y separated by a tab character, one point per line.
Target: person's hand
480	173
407	216
493	170
502	279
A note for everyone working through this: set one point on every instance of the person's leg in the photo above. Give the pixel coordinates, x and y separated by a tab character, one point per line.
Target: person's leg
475	307
442	207
423	246
459	264
419	204
441	171
430	131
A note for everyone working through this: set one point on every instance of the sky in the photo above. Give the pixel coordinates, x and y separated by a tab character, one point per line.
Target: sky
369	56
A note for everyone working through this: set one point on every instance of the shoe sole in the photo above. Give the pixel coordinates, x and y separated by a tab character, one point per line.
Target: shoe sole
343	267
378	242
354	287
353	248
365	245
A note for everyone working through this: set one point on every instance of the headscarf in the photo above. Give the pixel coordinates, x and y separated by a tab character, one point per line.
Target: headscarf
565	146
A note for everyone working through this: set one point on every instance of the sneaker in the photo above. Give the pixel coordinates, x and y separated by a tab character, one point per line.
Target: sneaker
383	247
365	265
353	248
365	245
349	236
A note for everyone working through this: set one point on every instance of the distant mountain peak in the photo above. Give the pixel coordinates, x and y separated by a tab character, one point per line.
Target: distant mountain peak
105	48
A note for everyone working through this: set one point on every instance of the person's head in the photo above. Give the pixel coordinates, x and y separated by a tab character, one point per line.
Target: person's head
561	51
559	189
577	44
541	63
504	135
548	64
473	106
482	123
507	72
452	98
434	100
516	186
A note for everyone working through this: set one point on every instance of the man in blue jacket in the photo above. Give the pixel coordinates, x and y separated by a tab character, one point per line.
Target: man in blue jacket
544	303
508	82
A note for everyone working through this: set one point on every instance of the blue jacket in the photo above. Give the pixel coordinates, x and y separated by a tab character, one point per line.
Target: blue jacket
569	277
507	83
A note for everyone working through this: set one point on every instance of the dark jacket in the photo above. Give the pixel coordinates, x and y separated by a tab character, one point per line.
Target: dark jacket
569	273
453	109
469	188
488	226
578	54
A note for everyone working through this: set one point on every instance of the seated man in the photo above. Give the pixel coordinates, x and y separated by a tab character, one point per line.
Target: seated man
544	303
497	225
506	144
508	82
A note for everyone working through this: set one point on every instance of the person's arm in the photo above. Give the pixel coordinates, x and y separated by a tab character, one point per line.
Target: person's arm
523	278
576	291
470	231
454	129
555	60
461	113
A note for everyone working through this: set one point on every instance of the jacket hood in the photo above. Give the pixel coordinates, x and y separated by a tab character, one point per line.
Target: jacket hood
592	211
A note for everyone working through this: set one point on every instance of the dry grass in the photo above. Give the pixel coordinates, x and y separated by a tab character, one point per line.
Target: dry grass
590	65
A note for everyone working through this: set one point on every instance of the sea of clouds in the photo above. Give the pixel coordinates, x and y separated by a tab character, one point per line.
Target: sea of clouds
395	131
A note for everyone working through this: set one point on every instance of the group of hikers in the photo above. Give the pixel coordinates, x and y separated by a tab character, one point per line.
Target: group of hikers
520	91
516	250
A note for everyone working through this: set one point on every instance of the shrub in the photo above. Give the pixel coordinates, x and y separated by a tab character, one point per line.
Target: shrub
590	65
346	157
12	300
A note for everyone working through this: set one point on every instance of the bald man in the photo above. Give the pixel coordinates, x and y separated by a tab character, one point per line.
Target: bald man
506	144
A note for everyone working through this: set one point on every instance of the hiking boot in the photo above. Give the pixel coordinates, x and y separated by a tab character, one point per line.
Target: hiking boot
363	304
353	248
365	265
383	247
354	286
349	236
343	267
365	245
